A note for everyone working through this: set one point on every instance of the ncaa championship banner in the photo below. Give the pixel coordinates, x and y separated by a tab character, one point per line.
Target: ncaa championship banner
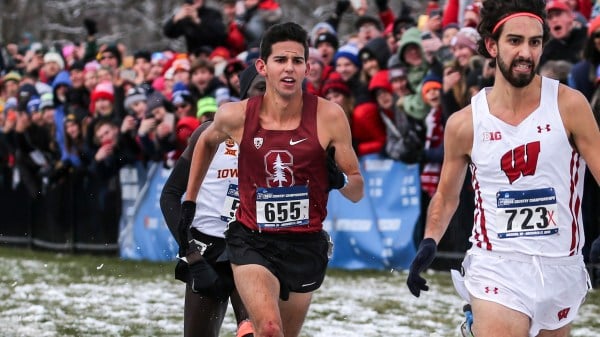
375	233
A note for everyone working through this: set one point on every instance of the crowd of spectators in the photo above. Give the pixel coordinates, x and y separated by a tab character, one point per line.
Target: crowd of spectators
90	109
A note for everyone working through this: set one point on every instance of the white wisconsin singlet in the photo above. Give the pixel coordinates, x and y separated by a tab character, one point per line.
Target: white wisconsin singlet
528	181
211	202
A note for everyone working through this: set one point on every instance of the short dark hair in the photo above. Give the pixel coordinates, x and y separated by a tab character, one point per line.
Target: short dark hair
494	11
287	31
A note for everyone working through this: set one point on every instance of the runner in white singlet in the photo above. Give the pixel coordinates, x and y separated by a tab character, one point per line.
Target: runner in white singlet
525	140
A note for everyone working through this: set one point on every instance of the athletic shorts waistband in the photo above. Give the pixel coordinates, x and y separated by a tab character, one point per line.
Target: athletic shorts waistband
287	236
560	260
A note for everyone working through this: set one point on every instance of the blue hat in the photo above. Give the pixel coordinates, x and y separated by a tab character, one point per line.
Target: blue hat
181	94
33	105
349	51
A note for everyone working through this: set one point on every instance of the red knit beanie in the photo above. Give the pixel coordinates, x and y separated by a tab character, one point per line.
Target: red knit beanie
103	90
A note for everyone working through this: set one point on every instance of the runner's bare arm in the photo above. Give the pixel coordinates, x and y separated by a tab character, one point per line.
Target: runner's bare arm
458	140
225	125
334	130
582	127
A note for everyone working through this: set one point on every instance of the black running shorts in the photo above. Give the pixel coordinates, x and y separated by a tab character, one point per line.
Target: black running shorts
298	260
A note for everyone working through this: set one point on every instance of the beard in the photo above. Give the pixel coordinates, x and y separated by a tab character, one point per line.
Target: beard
519	80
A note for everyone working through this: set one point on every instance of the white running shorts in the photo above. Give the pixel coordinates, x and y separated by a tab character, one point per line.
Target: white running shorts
548	290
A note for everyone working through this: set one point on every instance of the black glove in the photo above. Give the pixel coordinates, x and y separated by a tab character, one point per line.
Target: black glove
595	251
204	279
423	259
337	178
341	6
90	26
188	210
382	5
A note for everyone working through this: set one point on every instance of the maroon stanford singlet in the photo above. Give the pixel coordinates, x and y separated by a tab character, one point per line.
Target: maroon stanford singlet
283	176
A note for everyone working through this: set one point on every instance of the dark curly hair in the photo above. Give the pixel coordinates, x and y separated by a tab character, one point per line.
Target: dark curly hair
287	31
494	11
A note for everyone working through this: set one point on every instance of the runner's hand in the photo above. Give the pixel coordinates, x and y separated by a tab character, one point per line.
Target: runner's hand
595	251
204	279
424	257
337	178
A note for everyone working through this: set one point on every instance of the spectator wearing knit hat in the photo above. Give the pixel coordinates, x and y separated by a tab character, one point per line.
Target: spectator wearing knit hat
53	64
182	101
567	39
109	56
316	75
162	132
335	90
102	99
10	83
185	119
348	66
231	74
101	107
368	27
251	83
374	57
327	44
368	130
135	102
398	81
381	90
433	151
460	75
206	108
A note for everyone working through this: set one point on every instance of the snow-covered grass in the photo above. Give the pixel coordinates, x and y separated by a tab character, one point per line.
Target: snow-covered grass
46	294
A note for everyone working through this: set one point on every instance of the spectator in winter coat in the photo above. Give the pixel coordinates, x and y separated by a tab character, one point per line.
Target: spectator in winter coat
199	24
255	17
374	57
567	38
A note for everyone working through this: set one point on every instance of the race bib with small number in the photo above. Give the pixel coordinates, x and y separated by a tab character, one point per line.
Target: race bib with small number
231	204
278	207
526	213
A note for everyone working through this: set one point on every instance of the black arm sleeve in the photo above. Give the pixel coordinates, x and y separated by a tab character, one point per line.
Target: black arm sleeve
170	197
176	184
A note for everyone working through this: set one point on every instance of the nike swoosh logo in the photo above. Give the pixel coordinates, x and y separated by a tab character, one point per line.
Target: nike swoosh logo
308	284
294	142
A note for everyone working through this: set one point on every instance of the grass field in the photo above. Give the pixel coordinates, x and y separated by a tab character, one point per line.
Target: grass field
49	294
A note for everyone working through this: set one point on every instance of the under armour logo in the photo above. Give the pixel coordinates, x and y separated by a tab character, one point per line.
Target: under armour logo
546	128
563	313
493	290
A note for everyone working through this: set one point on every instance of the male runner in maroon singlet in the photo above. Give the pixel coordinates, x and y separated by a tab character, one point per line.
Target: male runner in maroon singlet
294	148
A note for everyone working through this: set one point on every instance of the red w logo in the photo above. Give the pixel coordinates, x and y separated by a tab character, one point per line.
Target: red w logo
563	313
521	160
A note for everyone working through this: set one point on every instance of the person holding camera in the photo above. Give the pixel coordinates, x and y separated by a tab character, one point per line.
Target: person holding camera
199	24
